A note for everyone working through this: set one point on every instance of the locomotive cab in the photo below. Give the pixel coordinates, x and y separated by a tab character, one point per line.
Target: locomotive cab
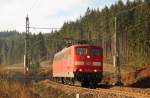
88	64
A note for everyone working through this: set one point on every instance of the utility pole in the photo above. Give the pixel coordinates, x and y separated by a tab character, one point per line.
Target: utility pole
26	59
117	60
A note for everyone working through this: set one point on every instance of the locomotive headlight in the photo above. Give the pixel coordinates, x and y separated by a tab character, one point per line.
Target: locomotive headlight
79	63
95	70
80	70
97	63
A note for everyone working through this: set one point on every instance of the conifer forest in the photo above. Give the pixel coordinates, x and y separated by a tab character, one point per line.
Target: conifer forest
97	27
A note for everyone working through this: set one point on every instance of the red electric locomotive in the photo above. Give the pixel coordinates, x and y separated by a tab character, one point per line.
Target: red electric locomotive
83	63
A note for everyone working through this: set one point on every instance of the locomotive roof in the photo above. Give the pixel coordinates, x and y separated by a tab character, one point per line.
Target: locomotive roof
77	45
84	45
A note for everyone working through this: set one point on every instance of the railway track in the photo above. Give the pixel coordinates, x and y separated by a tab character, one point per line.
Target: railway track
124	94
103	91
99	92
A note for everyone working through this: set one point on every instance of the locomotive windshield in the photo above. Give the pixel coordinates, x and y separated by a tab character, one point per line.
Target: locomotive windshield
81	51
94	51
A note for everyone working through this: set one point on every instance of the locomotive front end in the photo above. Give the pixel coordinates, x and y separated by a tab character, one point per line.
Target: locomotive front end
88	64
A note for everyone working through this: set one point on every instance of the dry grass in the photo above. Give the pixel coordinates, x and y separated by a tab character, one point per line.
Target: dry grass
12	86
15	89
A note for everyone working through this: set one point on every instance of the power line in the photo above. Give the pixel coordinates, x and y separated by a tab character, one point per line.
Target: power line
143	3
45	28
117	55
33	5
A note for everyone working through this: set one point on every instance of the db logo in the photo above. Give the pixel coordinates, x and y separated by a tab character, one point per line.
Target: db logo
88	63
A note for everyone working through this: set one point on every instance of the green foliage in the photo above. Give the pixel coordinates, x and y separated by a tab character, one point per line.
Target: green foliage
12	47
34	68
38	47
6	34
97	27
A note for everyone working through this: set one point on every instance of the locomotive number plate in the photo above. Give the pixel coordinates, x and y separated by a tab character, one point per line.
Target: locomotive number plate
88	63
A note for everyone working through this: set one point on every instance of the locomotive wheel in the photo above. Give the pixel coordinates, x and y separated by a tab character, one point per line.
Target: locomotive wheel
66	80
62	80
85	84
92	85
73	81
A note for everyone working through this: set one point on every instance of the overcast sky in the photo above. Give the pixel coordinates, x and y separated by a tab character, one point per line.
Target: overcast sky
44	13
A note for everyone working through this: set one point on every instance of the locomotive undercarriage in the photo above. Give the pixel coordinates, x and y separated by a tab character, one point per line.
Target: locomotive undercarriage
87	79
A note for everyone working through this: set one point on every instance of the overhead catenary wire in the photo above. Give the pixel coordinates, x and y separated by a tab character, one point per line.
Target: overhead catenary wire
139	5
45	28
38	29
117	52
35	3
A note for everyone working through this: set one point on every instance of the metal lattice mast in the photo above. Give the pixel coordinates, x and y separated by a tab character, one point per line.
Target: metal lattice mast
26	59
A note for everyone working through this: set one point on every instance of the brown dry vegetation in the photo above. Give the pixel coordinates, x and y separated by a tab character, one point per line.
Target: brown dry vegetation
12	85
15	89
131	77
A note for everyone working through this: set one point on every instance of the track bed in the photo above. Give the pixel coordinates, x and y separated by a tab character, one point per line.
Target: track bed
103	92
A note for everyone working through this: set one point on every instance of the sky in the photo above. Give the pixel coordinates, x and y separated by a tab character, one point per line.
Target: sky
44	13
